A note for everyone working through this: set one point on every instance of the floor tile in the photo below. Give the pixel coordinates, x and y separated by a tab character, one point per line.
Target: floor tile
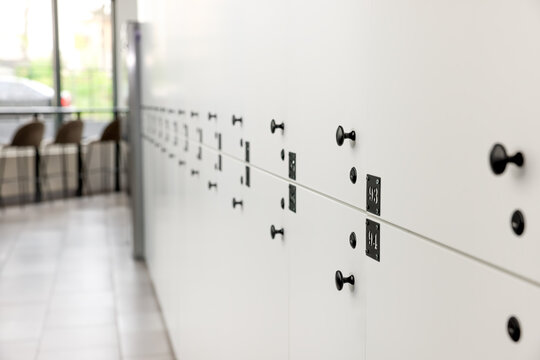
19	350
79	337
145	344
69	285
73	317
83	353
129	323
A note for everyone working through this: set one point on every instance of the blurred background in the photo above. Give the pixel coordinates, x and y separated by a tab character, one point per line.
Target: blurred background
27	60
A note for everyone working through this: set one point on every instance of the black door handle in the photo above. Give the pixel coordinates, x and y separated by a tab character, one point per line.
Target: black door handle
341	135
236	119
274	231
237	202
340	280
194	172
498	159
274	126
212	185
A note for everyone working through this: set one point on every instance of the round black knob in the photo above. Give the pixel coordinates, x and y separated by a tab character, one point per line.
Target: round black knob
518	222
237	202
274	231
498	159
212	116
352	240
212	185
340	280
353	175
282	203
274	126
236	119
194	172
513	328
283	154
341	135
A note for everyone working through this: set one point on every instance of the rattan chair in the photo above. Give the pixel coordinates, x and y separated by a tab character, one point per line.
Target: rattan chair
28	135
69	134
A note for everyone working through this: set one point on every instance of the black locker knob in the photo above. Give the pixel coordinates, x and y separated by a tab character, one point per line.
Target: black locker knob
237	202
341	135
518	222
181	163
194	172
498	159
194	114
212	185
274	126
236	119
212	116
340	280
513	328
274	231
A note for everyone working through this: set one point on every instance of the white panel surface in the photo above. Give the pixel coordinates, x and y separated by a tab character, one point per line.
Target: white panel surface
425	302
447	81
326	323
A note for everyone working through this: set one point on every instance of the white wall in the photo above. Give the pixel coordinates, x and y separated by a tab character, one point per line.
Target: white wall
428	87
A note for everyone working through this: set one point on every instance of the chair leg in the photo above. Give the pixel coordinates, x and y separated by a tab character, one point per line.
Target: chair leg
2	169
27	180
64	173
17	165
104	177
86	169
43	173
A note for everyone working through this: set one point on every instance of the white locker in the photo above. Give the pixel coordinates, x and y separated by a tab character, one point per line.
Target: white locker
326	323
232	279
426	302
447	82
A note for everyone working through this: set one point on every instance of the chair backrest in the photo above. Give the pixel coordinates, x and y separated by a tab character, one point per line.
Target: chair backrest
70	132
111	132
29	134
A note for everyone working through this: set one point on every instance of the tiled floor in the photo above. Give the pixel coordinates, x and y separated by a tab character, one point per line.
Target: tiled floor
69	288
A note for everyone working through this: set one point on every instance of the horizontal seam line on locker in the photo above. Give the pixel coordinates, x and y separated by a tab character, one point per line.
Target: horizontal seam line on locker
371	216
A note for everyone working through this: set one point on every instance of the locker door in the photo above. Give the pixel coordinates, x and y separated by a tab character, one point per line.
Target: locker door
258	273
326	323
438	104
190	271
426	302
173	180
162	212
233	291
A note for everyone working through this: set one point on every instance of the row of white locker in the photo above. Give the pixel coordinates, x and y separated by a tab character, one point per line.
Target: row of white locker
442	186
231	289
